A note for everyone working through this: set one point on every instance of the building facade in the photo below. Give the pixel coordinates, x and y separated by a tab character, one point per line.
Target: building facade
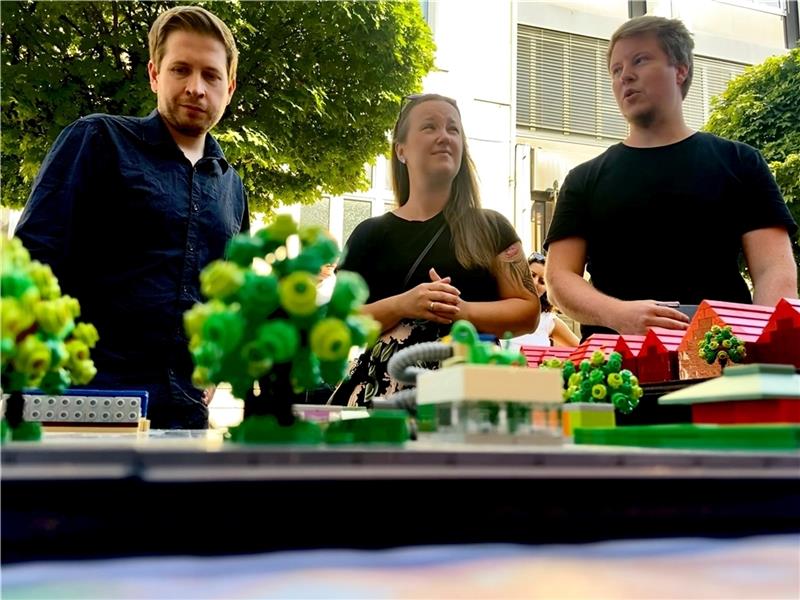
531	82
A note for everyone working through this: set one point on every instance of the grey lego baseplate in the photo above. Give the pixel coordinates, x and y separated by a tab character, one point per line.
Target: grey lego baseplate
46	408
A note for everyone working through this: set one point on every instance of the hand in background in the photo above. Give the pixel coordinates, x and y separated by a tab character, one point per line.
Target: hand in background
637	316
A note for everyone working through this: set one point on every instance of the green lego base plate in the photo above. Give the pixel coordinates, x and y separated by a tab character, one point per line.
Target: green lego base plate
264	429
27	431
381	427
699	437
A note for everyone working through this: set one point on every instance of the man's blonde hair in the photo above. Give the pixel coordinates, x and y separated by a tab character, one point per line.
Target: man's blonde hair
196	20
672	35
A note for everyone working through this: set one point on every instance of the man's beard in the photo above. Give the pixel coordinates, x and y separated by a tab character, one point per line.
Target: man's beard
188	128
643	120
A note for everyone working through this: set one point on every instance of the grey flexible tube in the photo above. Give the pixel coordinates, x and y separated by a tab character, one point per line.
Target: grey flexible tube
401	366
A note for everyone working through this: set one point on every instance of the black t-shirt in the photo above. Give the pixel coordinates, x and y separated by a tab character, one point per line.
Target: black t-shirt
382	250
666	223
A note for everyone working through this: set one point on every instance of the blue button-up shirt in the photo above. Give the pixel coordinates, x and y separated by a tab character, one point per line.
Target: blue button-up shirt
127	224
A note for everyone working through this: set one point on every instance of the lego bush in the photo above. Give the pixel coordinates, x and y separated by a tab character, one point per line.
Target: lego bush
41	345
601	380
262	324
720	345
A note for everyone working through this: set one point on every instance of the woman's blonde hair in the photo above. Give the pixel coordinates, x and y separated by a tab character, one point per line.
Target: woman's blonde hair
475	237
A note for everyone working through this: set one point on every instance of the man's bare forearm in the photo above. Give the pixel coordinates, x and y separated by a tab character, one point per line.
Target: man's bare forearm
578	299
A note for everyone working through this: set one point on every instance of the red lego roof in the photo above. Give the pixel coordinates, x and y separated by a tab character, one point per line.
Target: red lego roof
747	321
630	343
597	341
787	313
533	354
669	339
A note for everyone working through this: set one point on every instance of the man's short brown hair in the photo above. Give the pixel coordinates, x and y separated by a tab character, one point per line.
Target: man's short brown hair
675	40
196	20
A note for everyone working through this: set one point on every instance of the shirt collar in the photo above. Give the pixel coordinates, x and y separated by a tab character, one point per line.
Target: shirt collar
155	132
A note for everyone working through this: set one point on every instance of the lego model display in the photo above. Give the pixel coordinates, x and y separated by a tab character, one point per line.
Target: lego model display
747	394
482	393
746	322
597	380
42	345
263	325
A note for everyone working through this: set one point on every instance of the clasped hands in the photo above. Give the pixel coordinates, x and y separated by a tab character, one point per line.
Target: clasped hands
436	301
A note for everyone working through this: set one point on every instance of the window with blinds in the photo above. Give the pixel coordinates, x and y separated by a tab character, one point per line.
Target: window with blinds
563	85
711	77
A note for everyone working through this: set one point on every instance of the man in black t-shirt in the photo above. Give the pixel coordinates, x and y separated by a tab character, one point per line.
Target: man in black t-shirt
664	215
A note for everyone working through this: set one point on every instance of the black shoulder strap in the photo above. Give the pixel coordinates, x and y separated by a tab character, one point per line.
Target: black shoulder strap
423	254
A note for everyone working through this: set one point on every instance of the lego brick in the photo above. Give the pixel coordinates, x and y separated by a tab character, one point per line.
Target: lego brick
468	382
576	415
701	437
782	410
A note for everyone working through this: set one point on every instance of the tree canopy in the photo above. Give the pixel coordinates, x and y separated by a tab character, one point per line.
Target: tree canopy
319	84
760	108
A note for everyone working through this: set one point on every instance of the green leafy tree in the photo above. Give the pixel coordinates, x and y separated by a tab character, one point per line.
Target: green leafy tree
760	108
319	85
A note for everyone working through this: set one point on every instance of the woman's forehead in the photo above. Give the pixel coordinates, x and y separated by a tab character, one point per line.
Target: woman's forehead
434	108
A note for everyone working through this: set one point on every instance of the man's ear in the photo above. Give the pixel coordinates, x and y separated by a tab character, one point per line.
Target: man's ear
231	89
153	74
682	72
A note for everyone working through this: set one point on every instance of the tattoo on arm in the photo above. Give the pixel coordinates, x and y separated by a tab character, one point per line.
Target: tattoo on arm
513	261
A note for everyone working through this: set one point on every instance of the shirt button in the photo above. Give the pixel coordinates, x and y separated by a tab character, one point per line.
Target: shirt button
191	248
194	206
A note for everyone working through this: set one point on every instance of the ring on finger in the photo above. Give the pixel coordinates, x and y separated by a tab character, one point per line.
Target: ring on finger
430	308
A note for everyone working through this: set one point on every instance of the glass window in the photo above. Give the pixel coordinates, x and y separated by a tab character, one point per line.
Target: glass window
318	213
774	6
355	211
563	85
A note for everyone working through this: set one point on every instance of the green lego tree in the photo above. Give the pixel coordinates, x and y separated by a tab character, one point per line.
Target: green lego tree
263	325
41	345
720	345
601	380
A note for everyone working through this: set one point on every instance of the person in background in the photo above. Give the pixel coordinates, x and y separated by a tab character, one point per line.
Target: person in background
127	211
665	215
439	256
326	281
551	330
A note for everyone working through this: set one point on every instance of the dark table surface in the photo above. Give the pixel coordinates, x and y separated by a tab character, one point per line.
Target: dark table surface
83	495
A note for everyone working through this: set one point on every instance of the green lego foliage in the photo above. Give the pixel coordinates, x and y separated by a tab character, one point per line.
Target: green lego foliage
263	323
602	380
719	344
41	345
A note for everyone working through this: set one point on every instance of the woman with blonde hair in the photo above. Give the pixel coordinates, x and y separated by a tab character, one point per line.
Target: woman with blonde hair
438	257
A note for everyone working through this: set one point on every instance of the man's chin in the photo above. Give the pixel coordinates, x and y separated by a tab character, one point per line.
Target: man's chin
192	130
642	119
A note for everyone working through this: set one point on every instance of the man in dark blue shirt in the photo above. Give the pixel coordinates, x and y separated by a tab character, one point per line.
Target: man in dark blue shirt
127	211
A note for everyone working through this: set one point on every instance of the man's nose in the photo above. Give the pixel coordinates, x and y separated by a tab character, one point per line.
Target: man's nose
627	73
195	86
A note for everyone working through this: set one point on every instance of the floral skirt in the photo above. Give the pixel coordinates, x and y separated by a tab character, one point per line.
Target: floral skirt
369	376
